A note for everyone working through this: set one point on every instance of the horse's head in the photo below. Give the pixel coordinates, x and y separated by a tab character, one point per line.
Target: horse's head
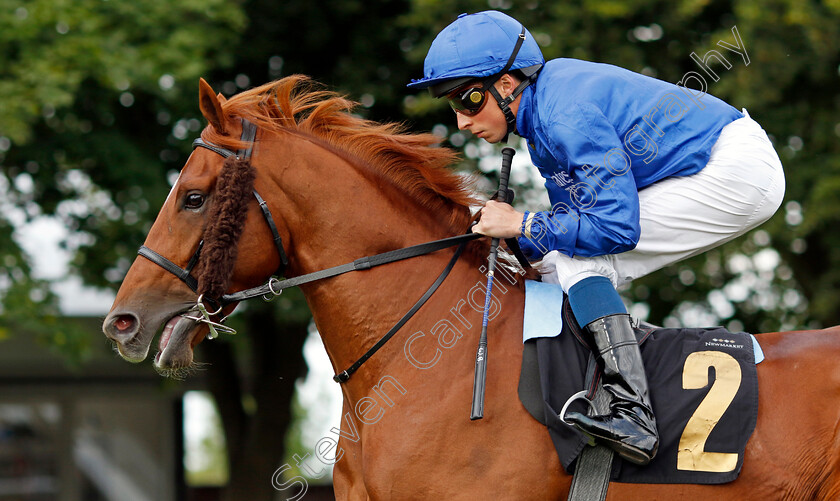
192	248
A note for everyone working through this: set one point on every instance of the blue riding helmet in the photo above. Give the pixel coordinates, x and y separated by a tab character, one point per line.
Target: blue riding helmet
475	46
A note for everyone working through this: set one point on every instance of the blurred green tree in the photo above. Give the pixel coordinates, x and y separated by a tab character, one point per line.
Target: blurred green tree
76	80
98	109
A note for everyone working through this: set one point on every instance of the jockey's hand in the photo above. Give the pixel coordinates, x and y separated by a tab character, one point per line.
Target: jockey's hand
499	220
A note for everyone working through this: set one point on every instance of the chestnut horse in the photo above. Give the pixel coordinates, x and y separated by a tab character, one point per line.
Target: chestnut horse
341	188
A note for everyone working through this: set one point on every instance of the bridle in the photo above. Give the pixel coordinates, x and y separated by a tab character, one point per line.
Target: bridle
274	286
249	133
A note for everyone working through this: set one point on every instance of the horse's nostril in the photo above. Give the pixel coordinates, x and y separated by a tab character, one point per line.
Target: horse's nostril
121	327
124	323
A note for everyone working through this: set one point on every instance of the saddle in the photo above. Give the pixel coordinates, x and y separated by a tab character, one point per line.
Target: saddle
697	376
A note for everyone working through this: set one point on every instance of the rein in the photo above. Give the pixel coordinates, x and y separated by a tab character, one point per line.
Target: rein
275	287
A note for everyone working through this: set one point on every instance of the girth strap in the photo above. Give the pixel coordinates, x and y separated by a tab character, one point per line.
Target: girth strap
591	479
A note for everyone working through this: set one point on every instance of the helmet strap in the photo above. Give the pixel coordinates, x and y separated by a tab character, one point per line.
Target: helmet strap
488	82
504	102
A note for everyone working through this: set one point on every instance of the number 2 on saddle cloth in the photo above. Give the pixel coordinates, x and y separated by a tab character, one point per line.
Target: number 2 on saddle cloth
697	375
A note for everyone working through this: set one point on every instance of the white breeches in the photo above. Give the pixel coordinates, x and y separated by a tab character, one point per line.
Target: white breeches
741	187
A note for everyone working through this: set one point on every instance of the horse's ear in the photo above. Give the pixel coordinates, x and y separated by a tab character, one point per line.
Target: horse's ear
210	106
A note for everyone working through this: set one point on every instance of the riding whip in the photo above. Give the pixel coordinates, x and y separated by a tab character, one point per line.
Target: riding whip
481	355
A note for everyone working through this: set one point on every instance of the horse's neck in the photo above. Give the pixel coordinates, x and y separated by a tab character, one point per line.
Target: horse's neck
336	215
341	216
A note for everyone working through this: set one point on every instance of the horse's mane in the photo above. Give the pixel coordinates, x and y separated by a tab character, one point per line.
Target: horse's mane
410	162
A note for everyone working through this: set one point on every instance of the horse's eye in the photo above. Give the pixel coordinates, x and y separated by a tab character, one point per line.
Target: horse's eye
194	201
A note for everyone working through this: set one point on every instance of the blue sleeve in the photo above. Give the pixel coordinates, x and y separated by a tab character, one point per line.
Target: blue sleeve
595	208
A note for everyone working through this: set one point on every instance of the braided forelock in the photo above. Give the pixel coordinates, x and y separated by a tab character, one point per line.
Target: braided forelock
226	219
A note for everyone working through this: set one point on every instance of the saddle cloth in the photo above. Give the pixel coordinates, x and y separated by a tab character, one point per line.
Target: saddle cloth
704	391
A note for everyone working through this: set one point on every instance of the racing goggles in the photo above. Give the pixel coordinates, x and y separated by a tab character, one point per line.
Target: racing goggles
468	102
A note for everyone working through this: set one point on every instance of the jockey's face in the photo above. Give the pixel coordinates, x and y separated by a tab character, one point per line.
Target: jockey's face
489	123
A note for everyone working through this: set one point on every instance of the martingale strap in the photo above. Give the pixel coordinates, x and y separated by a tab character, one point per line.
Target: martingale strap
275	286
345	374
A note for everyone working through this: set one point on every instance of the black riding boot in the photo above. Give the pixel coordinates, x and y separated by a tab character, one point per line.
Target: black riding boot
630	428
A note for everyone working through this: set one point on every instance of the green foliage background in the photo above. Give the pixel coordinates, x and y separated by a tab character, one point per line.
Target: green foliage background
98	108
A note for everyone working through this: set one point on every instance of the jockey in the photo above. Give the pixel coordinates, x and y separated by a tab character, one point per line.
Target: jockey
641	174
